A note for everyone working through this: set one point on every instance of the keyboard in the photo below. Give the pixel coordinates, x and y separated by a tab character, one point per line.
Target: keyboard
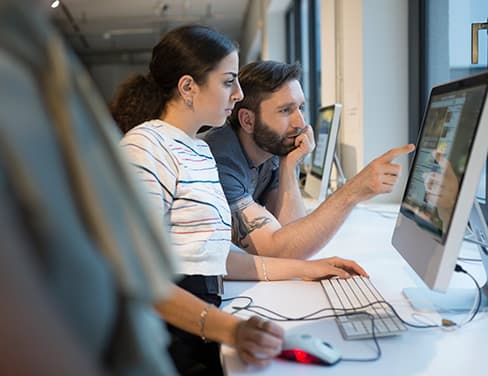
348	295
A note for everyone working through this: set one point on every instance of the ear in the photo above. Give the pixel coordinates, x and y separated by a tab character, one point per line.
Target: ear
246	119
187	88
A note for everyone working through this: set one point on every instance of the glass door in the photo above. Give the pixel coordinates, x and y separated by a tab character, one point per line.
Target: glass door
455	32
455	45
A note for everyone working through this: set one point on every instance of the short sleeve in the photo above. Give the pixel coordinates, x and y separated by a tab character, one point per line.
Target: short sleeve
236	192
154	168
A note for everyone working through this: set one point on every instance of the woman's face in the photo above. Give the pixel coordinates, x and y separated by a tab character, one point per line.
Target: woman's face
216	98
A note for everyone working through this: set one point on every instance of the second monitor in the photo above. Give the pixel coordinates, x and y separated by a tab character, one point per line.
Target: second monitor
325	132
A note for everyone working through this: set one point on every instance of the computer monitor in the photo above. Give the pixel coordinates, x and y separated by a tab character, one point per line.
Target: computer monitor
325	131
482	192
478	220
442	185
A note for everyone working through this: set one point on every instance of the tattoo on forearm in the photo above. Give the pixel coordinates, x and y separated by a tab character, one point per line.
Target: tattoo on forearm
242	226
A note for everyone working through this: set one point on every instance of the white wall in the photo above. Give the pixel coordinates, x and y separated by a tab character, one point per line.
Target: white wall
372	38
328	53
251	46
350	60
264	31
108	77
364	51
275	41
385	80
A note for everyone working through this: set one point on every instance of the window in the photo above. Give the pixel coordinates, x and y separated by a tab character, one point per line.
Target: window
441	47
303	45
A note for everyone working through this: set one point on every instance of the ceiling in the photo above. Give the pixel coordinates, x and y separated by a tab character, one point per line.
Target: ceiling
110	27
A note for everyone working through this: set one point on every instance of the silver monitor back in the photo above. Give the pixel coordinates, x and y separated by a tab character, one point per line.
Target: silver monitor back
325	132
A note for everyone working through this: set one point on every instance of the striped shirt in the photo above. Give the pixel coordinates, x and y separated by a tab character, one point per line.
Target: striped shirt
180	176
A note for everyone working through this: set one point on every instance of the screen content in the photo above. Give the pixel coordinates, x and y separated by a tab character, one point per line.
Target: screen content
322	133
442	155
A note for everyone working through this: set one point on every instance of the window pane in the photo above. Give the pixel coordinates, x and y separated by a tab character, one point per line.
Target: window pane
448	39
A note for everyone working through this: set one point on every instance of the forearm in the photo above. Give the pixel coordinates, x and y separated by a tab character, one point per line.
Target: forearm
243	266
182	310
305	237
258	231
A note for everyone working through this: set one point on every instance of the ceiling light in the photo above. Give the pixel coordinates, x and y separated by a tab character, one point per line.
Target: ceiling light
121	32
55	4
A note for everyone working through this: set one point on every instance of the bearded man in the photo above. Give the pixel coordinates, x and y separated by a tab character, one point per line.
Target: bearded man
258	154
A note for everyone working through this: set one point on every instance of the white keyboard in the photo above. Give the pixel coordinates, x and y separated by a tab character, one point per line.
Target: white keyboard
348	295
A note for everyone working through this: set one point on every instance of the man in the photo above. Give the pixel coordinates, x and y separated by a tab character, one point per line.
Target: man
258	155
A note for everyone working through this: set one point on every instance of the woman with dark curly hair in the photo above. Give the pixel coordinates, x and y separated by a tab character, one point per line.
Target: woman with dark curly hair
192	82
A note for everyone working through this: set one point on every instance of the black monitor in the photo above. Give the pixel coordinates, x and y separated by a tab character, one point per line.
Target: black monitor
442	184
325	130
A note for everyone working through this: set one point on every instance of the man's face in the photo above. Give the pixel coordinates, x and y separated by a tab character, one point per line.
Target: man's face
280	120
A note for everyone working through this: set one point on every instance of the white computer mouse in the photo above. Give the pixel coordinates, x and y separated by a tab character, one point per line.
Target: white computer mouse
304	348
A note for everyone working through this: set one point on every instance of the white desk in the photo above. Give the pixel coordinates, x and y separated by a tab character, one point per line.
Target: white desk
366	238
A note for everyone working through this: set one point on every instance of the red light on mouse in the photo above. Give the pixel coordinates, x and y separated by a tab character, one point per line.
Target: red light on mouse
300	357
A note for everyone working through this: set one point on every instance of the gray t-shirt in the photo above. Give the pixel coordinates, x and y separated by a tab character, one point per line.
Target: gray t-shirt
243	183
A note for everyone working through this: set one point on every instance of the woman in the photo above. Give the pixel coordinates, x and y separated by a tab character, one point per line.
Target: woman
193	82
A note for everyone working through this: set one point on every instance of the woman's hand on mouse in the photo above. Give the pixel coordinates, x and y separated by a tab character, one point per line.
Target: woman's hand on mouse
332	267
258	341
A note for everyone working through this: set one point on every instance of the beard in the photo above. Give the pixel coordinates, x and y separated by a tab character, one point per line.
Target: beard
269	140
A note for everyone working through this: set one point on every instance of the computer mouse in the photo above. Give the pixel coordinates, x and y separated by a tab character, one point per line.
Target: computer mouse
304	348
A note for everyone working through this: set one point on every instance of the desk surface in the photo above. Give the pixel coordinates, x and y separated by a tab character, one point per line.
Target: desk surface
366	238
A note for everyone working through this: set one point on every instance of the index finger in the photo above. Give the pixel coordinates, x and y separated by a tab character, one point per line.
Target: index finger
396	152
306	129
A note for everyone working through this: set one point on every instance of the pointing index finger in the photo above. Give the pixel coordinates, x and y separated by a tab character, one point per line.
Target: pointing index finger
396	152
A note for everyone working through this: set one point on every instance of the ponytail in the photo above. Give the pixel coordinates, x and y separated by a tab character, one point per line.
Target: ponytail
193	50
137	100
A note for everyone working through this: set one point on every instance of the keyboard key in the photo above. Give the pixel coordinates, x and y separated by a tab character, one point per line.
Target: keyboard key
354	294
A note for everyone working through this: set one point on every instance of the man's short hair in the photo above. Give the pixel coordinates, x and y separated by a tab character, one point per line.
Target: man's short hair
259	80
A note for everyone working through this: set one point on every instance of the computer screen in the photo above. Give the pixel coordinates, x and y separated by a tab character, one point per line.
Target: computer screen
325	132
443	179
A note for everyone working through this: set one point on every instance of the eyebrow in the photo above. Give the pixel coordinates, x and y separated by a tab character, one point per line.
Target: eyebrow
233	74
290	104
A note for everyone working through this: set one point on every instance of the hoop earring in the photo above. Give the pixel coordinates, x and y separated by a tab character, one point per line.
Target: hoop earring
189	103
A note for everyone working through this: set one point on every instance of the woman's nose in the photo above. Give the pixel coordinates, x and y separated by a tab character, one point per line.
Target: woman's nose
237	95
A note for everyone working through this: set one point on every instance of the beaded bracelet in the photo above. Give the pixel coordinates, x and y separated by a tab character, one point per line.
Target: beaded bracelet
203	318
265	272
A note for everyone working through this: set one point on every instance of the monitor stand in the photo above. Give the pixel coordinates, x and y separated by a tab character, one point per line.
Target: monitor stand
454	300
424	299
341	179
